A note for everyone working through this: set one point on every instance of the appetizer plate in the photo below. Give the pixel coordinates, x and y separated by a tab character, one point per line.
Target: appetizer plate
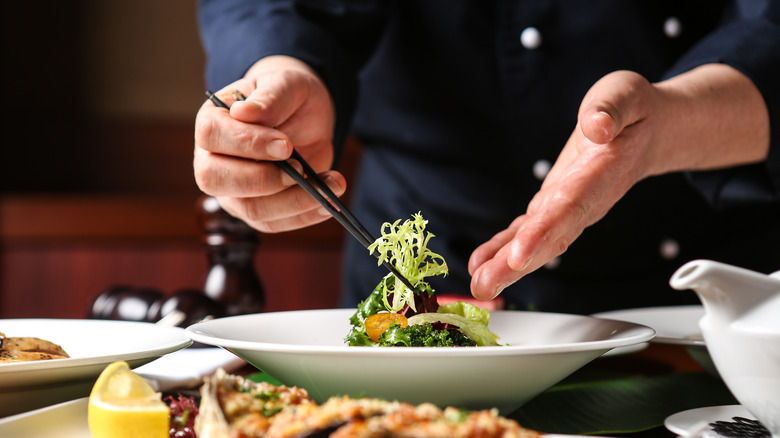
306	349
91	345
675	325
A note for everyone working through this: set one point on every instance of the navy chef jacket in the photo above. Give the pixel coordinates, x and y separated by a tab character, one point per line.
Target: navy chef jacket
462	107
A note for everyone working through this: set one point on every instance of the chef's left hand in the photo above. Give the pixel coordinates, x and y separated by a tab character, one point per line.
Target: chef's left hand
628	129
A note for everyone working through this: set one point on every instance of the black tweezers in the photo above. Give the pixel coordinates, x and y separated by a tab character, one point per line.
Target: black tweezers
332	203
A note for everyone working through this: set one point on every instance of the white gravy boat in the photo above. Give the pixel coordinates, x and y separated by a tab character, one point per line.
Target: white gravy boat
741	328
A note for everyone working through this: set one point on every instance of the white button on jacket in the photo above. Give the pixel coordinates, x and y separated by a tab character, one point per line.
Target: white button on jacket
531	38
672	27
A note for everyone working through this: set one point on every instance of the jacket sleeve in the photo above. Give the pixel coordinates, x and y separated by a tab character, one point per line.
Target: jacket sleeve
334	37
748	40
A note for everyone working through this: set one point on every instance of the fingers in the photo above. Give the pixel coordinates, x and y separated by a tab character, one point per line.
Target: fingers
605	155
491	278
289	209
292	101
218	132
224	175
532	241
283	104
489	249
488	265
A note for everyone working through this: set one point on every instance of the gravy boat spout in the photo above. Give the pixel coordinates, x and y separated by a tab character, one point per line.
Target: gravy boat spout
732	294
741	328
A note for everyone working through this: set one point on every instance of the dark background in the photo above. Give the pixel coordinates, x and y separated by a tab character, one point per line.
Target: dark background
100	95
96	185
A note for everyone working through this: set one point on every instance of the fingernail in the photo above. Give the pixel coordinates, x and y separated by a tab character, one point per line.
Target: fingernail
333	185
287	179
500	288
606	114
277	149
609	132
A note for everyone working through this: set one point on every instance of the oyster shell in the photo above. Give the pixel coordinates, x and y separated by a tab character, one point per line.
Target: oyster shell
231	404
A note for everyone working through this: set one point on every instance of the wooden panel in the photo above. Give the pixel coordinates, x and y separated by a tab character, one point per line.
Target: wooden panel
59	252
105	194
49	219
62	281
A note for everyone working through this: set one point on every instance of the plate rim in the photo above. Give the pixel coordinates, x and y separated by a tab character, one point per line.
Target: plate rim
155	350
658	339
642	334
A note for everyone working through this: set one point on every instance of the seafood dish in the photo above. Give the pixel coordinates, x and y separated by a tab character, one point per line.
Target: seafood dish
234	406
25	349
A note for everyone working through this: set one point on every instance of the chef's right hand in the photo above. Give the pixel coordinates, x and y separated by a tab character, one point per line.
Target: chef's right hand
287	105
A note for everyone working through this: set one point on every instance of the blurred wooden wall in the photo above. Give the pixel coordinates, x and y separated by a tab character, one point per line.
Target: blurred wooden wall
96	170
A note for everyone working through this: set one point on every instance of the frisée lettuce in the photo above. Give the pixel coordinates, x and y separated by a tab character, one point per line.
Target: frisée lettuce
405	246
415	317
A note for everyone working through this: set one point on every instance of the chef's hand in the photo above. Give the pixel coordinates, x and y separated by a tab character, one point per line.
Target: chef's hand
628	129
286	106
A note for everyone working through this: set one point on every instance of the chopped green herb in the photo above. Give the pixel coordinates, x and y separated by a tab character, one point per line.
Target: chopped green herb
270	412
423	335
268	395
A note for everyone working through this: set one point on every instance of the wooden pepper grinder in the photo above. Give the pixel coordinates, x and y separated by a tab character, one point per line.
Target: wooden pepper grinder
230	245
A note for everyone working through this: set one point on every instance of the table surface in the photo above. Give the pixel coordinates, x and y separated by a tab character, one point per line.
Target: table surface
668	372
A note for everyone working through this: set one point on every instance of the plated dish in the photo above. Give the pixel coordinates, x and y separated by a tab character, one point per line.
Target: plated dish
306	349
677	325
69	420
91	345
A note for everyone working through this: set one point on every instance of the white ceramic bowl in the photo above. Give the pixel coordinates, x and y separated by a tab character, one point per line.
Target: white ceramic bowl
306	349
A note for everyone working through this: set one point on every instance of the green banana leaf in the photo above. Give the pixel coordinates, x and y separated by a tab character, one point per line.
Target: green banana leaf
628	404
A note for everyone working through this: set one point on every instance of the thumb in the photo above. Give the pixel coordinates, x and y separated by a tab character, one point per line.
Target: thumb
276	98
612	104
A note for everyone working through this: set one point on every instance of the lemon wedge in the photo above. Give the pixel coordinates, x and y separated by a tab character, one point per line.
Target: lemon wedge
123	405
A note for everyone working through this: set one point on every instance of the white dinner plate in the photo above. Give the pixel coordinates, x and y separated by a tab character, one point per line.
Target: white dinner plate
306	349
677	325
91	345
697	420
63	420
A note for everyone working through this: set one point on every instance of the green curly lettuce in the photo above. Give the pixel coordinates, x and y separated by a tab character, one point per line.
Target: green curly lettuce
405	246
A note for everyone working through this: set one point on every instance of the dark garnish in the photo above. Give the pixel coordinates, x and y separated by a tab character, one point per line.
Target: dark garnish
183	413
741	428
